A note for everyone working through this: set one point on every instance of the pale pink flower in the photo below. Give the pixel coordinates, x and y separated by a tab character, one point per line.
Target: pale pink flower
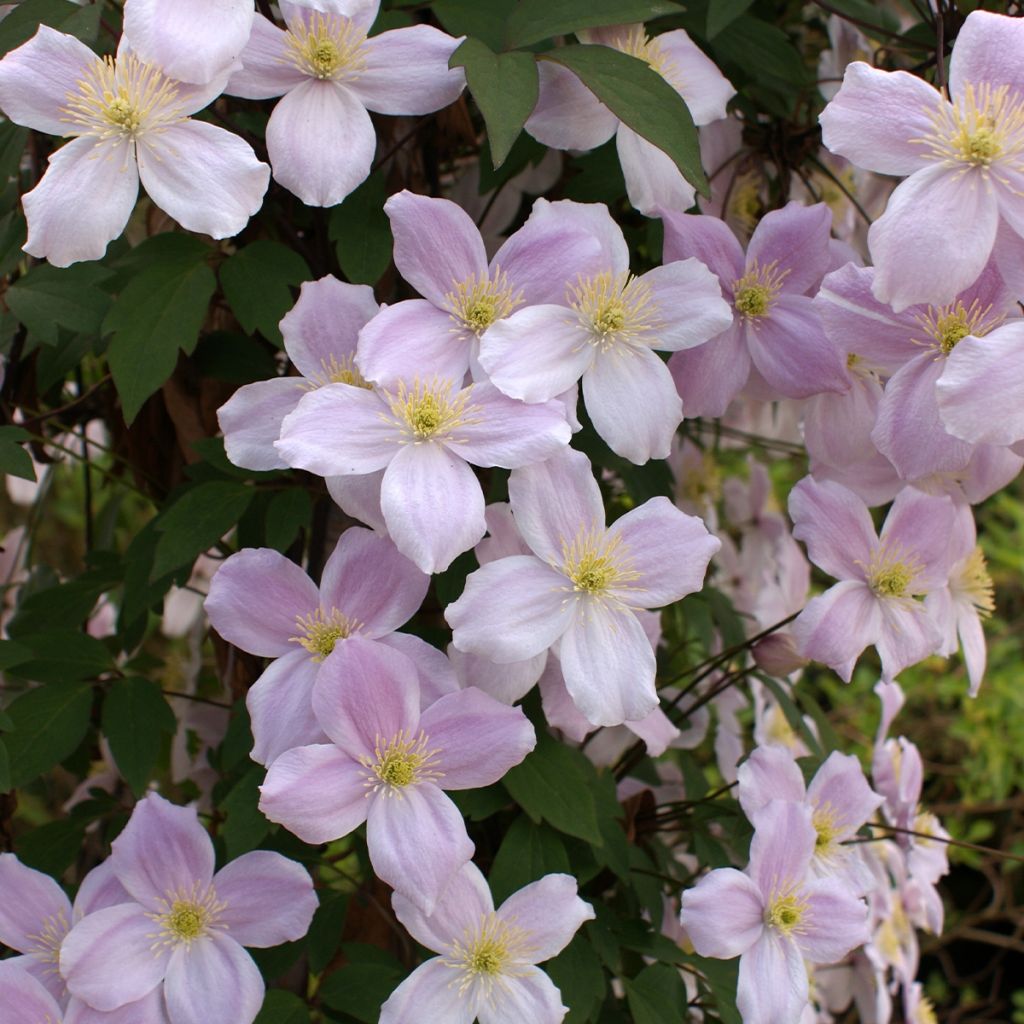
569	116
487	967
131	122
388	764
581	588
320	138
962	156
185	926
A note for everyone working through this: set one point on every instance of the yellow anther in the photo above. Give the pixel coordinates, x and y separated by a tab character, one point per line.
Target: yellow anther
947	326
489	953
320	633
755	292
891	572
478	302
432	411
401	761
186	916
327	47
597	562
972	581
615	308
784	912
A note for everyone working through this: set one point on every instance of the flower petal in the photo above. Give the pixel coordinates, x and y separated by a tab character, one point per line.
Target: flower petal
467	900
266	71
782	847
507	683
922	524
568	115
834	923
429	993
359	497
988	49
25	1000
653	181
710	376
251	421
213	979
772	984
31	900
839	785
835	525
280	705
150	1009
707	239
530	996
723	914
770	773
689	301
550	911
794	239
835	627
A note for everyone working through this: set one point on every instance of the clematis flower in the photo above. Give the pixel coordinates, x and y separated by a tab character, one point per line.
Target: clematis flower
580	590
880	576
424	433
608	337
130	122
320	334
569	116
487	967
961	153
265	604
388	764
185	926
776	346
773	916
190	40
320	138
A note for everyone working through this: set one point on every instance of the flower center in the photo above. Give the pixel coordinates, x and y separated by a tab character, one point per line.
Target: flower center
947	326
339	371
429	411
637	43
984	127
755	292
493	950
891	572
826	829
185	917
45	945
320	633
785	911
477	302
327	47
123	98
403	760
596	562
614	308
972	581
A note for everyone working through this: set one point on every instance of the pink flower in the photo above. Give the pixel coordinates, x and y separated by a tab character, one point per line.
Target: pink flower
581	588
962	156
388	764
265	604
880	576
569	116
185	926
130	122
776	346
487	967
774	917
320	138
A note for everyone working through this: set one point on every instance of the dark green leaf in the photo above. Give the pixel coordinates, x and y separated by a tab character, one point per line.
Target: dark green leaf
280	1007
569	806
722	977
5	769
245	827
362	231
484	21
325	932
534	20
761	50
51	297
722	13
20	25
49	723
62	655
642	99
71	602
12	145
527	852
160	312
359	989
480	804
580	979
196	521
657	996
12	654
13	234
258	283
505	87
135	716
52	848
14	460
288	512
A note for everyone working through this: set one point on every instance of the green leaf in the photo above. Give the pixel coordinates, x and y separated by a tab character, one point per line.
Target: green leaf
5	769
52	848
288	512
20	25
135	717
722	13
359	989
12	146
534	20
642	99
505	87
281	1007
61	655
527	852
657	996
159	312
722	976
12	654
14	460
485	22
569	806
13	234
197	521
580	979
48	298
245	827
762	51
324	934
362	231
258	283
49	723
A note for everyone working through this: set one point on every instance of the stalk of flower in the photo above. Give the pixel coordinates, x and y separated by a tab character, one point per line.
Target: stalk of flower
387	764
130	122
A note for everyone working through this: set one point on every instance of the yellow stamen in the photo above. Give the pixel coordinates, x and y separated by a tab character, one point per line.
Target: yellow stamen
327	47
320	633
339	371
45	945
597	562
637	43
186	916
971	580
478	302
615	308
891	572
947	326
402	761
785	912
429	412
755	293
827	830
489	953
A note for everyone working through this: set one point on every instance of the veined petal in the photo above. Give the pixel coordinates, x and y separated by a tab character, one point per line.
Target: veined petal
922	524
782	847
359	497
31	900
840	786
770	773
907	635
266	71
697	78
568	115
466	901
507	683
653	181
835	627
428	993
772	985
320	142
710	376
150	1009
83	201
835	525
988	50
834	923
280	705
206	178
795	240
251	421
723	914
689	301
530	996
551	911
707	239
213	979
26	1000
434	672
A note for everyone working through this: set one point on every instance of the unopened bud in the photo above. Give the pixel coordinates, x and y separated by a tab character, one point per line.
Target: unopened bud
777	655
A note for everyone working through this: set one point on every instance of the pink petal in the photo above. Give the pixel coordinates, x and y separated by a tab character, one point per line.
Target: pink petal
876	116
710	376
608	663
668	549
707	239
653	181
922	524
163	849
770	773
266	69
369	581
251	421
723	914
837	427
988	49
147	1010
510	610
317	793
696	77
280	707
320	142
835	627
689	301
553	501
270	899
406	71
108	958
99	889
529	996
502	537
434	672
906	637
31	900
835	525
255	598
507	683
834	923
213	979
325	324
478	738
568	115
972	637
935	237
190	40
772	984
362	13
795	239
840	786
339	430
359	497
37	78
83	201
559	710
658	732
550	911
782	847
430	992
417	842
467	900
25	1000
